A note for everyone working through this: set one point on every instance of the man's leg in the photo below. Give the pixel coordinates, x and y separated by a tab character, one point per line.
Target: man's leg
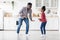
19	26
27	25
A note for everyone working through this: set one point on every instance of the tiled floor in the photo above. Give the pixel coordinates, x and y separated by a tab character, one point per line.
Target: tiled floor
34	35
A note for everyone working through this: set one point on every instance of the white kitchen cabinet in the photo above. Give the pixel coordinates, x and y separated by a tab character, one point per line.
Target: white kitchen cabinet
52	23
1	19
54	3
47	3
10	24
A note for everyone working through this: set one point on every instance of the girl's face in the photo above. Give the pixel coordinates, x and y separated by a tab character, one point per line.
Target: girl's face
42	10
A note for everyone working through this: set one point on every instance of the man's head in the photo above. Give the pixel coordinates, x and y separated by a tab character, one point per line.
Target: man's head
29	5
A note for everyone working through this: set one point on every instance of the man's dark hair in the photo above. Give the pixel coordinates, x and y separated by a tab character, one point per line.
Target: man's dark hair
44	8
30	3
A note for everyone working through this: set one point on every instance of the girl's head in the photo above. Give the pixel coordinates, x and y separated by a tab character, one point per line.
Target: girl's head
43	8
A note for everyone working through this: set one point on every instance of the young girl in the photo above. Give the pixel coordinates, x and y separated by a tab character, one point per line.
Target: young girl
43	20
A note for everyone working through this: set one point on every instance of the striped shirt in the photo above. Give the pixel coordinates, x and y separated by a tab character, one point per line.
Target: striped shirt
24	13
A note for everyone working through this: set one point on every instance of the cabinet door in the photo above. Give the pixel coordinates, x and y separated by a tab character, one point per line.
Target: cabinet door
54	3
52	23
10	23
1	19
46	3
38	3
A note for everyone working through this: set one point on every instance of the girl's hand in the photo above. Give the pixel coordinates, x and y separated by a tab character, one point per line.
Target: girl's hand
32	20
39	19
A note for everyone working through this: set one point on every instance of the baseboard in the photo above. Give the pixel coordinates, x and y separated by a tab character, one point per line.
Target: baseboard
30	30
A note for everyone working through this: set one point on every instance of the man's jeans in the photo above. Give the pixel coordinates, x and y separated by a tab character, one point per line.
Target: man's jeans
26	20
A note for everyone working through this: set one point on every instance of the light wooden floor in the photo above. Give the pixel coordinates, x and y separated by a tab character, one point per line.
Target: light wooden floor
34	35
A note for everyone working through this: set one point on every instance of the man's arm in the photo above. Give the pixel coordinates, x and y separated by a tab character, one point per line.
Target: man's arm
30	15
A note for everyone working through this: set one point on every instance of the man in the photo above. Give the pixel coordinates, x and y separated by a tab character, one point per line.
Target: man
24	17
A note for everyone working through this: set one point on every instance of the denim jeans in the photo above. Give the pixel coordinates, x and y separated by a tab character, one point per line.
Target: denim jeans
43	25
26	20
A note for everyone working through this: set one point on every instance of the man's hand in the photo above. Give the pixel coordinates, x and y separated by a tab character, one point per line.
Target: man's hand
18	15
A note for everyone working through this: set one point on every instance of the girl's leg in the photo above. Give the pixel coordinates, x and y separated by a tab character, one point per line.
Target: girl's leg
41	28
44	28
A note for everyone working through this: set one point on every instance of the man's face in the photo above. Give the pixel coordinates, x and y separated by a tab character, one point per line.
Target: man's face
29	6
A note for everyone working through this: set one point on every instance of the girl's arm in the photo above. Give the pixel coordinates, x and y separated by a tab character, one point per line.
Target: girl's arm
40	17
